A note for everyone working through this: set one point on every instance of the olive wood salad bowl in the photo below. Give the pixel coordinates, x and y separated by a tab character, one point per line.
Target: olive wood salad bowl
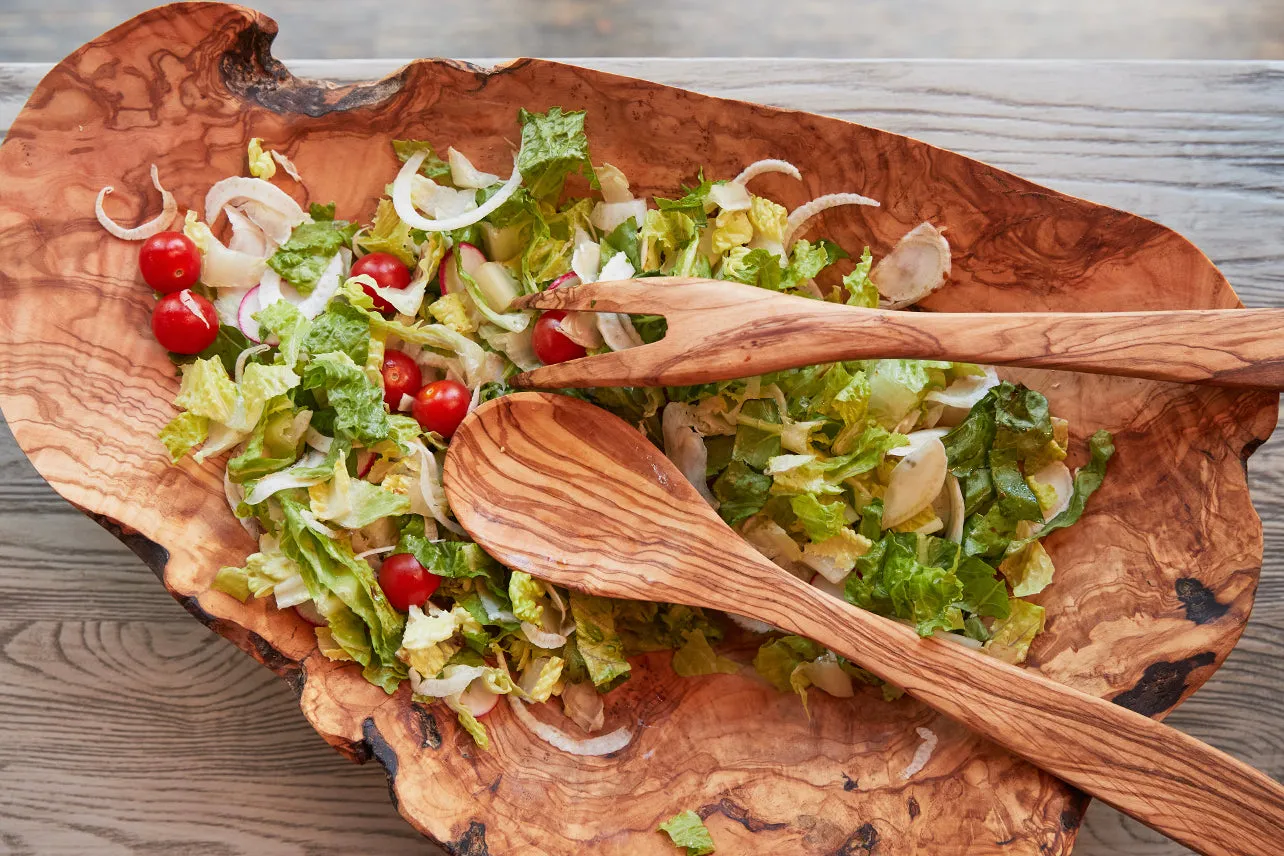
1153	586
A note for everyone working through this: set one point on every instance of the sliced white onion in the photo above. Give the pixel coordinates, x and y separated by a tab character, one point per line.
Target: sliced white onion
542	638
758	168
965	392
247	237
430	493
220	440
287	478
310	520
800	215
831	588
244	357
316	440
730	197
456	680
1056	475
916	439
406	210
188	300
222	267
287	165
235	495
614	183
955	531
237	189
965	641
405	300
464	174
581	328
826	675
604	745
376	551
582	704
494	612
291	591
914	482
685	447
606	217
617	331
922	754
143	231
326	288
918	265
586	258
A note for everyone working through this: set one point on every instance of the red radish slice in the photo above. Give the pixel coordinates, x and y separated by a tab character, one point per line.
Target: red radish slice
570	280
365	460
471	257
478	698
245	315
308	612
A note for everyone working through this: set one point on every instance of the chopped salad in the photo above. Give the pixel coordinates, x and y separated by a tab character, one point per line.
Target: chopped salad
331	360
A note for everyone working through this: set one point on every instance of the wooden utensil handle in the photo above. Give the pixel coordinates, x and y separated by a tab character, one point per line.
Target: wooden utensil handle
1168	780
1224	347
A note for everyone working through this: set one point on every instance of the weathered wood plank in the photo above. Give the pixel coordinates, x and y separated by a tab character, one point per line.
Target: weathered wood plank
182	725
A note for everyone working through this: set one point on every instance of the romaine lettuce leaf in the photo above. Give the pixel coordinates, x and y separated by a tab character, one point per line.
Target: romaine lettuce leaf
623	240
861	290
741	491
183	432
354	503
821	520
769	219
730	229
301	260
342	328
752	267
1029	569
697	657
777	659
1101	448
806	260
526	594
664	234
1010	638
596	639
389	234
433	167
687	831
206	390
692	203
358	403
283	320
553	147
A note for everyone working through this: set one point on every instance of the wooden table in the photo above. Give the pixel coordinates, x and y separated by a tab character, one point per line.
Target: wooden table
125	726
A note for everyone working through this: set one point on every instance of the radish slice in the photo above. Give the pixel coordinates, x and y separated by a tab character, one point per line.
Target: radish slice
406	210
245	315
570	280
308	612
143	231
470	259
800	215
365	460
604	745
479	698
758	168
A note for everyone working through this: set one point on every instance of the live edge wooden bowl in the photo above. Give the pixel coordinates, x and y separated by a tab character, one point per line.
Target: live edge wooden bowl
1153	587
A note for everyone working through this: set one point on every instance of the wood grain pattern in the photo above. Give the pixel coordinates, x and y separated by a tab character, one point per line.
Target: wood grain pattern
566	492
1027	120
718	330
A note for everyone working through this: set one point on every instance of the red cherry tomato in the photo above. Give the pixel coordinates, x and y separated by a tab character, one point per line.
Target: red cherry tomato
551	345
387	271
169	262
405	582
401	376
441	406
185	323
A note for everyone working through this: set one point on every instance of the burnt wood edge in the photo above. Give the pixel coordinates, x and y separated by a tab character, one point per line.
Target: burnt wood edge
250	71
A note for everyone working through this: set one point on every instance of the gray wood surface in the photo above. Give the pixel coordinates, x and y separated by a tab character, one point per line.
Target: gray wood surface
126	727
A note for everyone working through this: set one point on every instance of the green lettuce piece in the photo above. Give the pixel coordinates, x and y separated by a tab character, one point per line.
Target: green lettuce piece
329	565
861	290
318	211
752	267
525	593
226	347
730	229
301	260
264	570
843	396
183	432
206	390
261	163
988	533
892	581
389	234
624	239
343	329
984	593
664	234
806	260
451	310
756	444
799	474
967	445
897	387
283	320
357	403
687	831
259	385
232	581
1010	638
451	559
871	520
697	657
978	489
820	520
1013	495
1021	419
347	630
776	660
692	203
470	723
354	503
1029	569
553	146
769	219
433	167
741	491
1101	448
596	639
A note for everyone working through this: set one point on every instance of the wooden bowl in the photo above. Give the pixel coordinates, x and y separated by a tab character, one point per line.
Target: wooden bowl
1153	586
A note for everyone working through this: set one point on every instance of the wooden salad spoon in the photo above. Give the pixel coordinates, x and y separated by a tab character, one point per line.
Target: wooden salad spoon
719	330
560	489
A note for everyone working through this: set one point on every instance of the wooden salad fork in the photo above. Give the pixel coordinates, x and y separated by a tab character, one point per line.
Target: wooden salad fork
719	330
560	489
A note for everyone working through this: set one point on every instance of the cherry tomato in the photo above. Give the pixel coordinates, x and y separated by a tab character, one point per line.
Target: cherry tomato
387	271
401	376
441	406
551	345
169	262
405	582
185	323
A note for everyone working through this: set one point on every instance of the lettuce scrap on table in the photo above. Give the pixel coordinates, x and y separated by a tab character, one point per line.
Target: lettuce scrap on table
920	490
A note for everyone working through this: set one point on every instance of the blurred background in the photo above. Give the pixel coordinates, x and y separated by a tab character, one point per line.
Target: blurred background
38	30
